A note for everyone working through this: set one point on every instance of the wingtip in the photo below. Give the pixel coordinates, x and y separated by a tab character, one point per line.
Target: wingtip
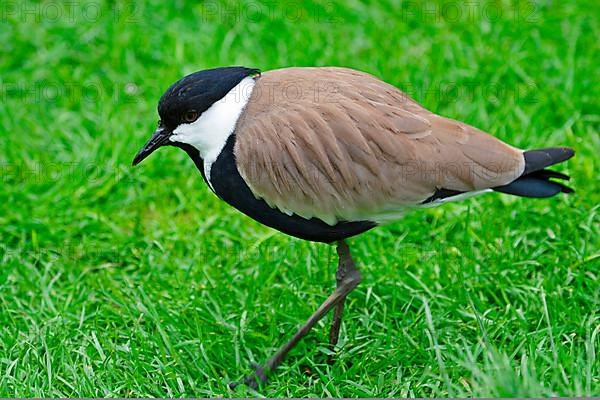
538	159
568	152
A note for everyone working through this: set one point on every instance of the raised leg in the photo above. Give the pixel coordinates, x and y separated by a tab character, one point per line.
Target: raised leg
346	283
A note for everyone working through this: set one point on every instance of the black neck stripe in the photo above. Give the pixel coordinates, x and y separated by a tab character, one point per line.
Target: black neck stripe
231	187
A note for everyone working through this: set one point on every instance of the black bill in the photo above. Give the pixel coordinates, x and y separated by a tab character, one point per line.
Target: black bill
158	139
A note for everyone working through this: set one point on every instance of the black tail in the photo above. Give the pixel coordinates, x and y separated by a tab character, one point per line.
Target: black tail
535	180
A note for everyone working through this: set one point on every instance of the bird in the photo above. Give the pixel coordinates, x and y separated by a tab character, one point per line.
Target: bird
327	153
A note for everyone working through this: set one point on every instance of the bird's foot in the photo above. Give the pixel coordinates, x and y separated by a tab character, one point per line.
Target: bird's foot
254	380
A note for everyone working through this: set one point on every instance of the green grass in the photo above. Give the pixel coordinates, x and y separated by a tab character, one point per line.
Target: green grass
122	282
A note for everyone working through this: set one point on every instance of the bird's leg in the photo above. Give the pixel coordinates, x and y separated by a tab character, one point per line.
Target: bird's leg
346	283
345	265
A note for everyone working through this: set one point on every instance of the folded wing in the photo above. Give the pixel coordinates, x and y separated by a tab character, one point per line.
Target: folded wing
341	145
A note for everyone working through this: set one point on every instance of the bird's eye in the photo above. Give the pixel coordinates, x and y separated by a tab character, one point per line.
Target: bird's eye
190	116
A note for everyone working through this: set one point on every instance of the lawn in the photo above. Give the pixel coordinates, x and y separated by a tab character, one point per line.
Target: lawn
140	282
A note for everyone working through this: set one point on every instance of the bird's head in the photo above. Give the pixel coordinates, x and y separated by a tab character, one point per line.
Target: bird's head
183	108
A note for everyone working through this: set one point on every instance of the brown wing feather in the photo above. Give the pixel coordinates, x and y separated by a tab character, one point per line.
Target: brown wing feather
339	144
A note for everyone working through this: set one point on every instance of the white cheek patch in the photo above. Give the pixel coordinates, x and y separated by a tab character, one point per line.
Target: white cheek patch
210	132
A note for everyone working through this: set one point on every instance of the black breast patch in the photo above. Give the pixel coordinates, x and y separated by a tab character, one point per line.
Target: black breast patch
230	187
